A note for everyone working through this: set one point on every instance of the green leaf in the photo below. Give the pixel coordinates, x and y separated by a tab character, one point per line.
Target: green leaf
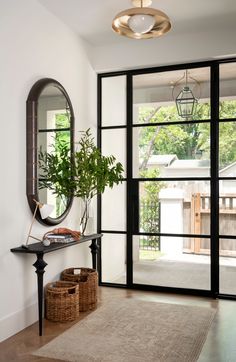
84	174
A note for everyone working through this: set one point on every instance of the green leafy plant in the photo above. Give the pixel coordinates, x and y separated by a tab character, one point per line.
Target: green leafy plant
150	209
85	173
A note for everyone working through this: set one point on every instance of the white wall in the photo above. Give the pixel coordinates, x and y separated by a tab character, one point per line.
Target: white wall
34	45
172	48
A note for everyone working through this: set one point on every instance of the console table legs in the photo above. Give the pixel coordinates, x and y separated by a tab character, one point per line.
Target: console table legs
94	250
40	264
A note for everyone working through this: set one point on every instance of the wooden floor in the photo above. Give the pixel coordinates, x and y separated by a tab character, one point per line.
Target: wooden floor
220	345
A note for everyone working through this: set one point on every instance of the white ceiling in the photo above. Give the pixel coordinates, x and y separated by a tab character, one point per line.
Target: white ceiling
91	19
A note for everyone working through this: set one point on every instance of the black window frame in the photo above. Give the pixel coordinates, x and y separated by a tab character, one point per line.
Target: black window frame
132	183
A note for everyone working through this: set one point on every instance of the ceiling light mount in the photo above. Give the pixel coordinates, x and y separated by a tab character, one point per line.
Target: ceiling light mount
141	22
136	3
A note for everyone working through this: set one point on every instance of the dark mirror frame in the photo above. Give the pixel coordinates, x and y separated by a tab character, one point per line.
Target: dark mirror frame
32	146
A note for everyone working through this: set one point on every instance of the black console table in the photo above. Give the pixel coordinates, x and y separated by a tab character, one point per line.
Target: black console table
39	249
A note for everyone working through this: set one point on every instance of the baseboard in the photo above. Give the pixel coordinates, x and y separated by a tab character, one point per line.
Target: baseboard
15	322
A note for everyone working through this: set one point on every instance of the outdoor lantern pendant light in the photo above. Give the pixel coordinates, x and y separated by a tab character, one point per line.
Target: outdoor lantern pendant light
186	102
141	22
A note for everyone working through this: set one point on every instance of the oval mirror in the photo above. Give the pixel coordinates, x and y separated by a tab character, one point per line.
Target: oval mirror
50	119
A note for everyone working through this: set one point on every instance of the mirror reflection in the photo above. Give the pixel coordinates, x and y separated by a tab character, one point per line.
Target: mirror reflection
53	128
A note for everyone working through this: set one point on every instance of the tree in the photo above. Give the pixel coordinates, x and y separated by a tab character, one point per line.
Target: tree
186	141
182	140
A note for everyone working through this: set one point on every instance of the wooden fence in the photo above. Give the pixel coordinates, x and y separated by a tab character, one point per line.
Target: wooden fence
197	217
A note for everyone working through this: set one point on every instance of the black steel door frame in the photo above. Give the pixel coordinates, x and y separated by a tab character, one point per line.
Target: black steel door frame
133	183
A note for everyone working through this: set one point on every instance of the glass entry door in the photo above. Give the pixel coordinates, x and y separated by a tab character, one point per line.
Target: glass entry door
171	224
171	165
227	178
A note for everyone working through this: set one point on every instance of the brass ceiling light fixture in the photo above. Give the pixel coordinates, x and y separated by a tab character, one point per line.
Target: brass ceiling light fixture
141	22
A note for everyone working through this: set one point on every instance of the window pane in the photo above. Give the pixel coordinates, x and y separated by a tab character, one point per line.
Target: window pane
228	266
178	207
53	109
114	143
172	151
114	258
227	207
227	149
172	262
114	101
228	90
155	94
114	208
49	141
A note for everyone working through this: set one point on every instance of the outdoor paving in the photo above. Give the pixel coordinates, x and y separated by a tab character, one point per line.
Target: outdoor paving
184	271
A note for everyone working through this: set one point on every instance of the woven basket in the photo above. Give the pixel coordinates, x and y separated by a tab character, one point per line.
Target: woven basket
62	301
88	285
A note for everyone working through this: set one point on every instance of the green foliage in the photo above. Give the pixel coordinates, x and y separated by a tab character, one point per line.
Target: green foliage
62	121
151	188
83	174
227	143
186	141
150	114
92	171
55	169
228	109
149	254
150	207
181	140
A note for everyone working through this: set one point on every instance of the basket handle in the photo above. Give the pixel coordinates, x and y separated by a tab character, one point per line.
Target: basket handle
64	292
72	290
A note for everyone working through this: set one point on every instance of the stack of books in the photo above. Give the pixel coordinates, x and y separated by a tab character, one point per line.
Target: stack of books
60	238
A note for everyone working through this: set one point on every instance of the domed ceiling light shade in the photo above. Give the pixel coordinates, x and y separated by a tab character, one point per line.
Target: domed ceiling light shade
141	22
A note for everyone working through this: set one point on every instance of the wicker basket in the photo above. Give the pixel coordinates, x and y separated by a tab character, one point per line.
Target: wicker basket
88	285
62	301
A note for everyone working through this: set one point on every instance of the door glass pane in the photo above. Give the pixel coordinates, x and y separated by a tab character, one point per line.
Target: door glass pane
228	266
114	208
227	207
155	95
114	143
172	151
227	149
172	262
113	252
227	90
174	207
114	101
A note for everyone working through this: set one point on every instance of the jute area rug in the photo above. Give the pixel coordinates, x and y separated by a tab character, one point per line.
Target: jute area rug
134	331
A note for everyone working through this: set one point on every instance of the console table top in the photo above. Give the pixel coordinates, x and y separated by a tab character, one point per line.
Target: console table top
39	248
